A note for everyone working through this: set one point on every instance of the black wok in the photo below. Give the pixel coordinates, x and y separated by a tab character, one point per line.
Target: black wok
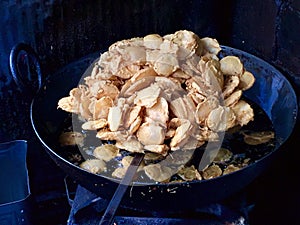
271	91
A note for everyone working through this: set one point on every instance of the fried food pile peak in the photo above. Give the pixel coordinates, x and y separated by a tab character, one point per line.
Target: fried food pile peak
162	93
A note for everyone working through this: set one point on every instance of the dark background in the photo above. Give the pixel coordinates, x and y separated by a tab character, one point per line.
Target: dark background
64	31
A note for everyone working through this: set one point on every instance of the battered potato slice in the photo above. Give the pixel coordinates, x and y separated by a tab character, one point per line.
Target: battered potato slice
231	82
131	87
221	119
212	172
181	135
67	104
186	39
151	134
222	156
158	172
166	64
233	98
106	134
257	138
114	117
94	165
153	41
189	173
148	96
130	144
160	149
132	115
230	169
205	107
71	138
135	125
159	112
231	65
121	171
143	73
246	81
100	107
210	45
72	102
94	124
106	152
244	113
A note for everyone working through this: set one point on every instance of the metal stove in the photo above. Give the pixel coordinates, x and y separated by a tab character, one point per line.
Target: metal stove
87	209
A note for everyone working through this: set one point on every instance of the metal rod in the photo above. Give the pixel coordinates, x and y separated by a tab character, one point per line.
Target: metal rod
114	203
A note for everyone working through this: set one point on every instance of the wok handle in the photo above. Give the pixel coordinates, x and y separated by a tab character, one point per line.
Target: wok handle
25	68
108	216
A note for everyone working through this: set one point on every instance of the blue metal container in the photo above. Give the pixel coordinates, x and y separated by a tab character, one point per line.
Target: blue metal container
15	204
